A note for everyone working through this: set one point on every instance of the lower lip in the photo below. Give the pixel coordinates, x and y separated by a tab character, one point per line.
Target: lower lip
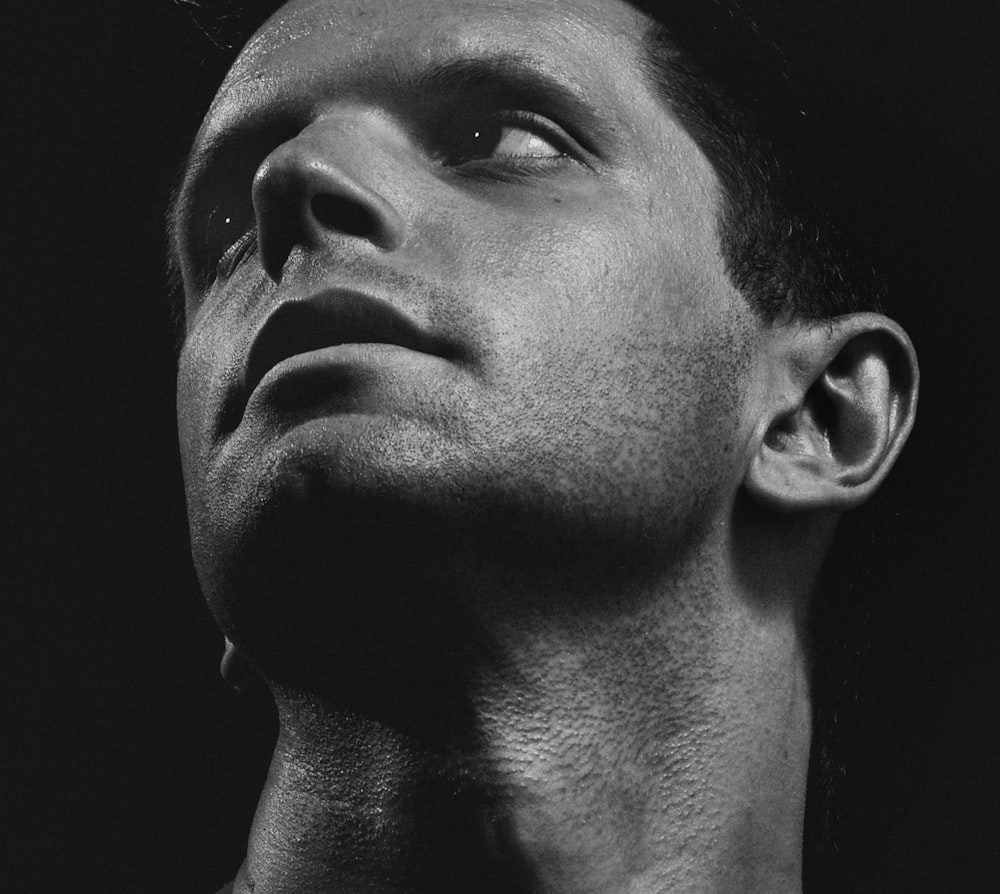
345	377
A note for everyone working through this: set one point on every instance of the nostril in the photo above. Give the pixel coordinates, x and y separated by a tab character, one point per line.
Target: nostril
345	215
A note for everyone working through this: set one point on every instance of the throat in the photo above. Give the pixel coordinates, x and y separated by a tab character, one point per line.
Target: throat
353	805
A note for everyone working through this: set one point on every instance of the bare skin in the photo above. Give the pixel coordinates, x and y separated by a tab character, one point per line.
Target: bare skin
492	474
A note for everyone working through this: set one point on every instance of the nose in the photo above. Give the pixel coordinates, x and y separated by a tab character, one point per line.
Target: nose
319	185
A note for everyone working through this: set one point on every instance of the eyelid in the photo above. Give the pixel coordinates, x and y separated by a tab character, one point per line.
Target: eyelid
237	253
513	81
542	126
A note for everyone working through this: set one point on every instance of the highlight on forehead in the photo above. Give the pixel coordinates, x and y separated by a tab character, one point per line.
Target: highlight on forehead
230	24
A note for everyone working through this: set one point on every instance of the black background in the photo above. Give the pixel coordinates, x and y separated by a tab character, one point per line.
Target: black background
133	767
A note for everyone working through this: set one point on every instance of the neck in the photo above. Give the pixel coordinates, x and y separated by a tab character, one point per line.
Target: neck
602	758
355	804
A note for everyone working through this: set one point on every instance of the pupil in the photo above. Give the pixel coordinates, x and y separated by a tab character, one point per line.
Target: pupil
470	142
483	141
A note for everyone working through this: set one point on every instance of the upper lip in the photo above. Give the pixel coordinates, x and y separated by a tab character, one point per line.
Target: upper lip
329	318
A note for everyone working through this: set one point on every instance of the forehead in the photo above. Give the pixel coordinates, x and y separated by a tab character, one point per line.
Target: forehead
415	27
312	48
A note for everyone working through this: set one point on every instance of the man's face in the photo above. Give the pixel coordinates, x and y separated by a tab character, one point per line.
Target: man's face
453	261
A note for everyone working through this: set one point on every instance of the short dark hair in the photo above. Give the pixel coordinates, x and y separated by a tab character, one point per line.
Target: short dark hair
732	91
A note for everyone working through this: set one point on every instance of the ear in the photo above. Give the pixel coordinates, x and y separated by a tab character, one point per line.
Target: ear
838	409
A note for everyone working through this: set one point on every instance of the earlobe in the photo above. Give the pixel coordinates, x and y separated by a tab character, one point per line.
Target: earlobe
829	435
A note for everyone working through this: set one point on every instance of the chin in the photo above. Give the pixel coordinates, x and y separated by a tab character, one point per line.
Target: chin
368	556
341	594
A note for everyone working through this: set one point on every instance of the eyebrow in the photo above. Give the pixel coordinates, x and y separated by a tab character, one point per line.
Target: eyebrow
517	76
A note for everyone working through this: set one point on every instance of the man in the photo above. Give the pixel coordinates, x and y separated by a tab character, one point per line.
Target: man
518	404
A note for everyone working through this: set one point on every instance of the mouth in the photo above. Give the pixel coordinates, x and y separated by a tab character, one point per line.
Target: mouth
328	319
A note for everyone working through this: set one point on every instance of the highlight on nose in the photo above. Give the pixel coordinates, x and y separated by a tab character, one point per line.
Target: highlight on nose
304	195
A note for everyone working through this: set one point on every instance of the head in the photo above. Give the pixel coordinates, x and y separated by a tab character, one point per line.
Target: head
508	316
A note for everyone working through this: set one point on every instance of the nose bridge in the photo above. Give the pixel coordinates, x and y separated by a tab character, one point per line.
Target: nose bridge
327	181
351	139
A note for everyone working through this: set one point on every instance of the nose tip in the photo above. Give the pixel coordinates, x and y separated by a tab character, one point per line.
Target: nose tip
312	189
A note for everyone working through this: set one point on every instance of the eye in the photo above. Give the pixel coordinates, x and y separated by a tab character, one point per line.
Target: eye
513	136
230	238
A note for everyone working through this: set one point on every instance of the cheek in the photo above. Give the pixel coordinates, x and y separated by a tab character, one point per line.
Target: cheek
190	409
192	419
615	319
620	364
204	372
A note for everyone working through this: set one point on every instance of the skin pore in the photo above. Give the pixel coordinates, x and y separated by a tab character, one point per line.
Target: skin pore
478	439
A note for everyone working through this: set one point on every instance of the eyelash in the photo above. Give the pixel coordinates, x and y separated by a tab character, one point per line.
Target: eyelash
536	125
224	255
233	257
